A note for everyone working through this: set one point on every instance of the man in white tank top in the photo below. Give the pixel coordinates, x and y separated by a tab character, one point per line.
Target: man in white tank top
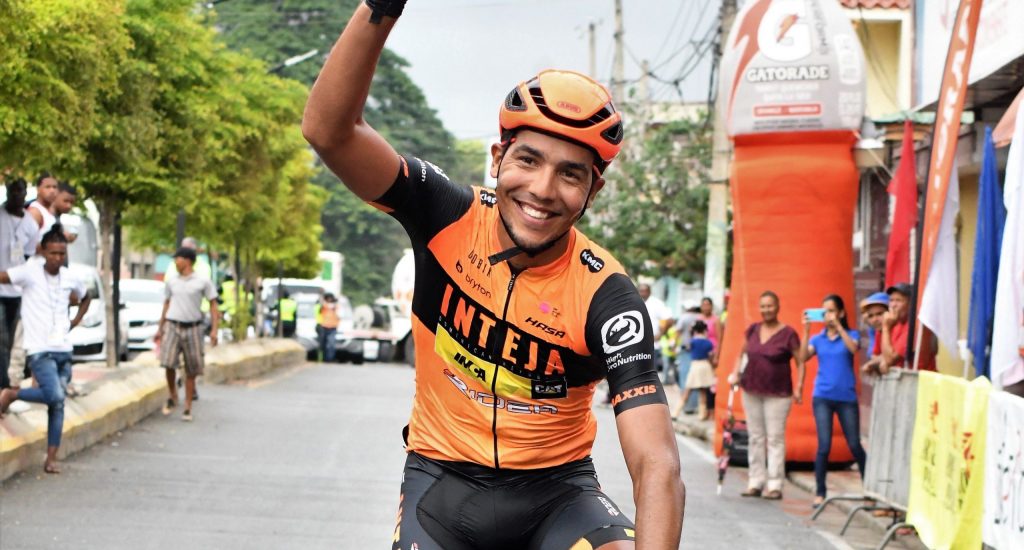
41	209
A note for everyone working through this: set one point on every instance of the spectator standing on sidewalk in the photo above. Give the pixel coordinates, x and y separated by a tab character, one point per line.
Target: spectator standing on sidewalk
701	374
181	328
49	289
64	204
767	382
327	321
41	209
872	310
18	236
835	387
892	345
707	314
684	325
661	318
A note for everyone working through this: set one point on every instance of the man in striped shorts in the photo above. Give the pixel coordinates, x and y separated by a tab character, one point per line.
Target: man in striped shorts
181	328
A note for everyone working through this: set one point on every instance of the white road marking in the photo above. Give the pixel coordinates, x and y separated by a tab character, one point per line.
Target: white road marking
697	448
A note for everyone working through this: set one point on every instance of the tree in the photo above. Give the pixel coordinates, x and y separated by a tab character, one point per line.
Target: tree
162	116
57	58
653	211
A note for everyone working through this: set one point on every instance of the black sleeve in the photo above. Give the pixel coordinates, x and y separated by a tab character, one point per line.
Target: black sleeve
618	335
424	200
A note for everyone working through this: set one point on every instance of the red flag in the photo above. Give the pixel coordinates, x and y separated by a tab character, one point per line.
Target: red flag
903	188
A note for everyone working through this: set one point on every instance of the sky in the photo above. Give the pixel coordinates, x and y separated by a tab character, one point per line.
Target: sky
467	54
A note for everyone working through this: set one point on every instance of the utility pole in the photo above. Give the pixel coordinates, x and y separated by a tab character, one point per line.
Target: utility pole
643	95
717	234
619	68
592	39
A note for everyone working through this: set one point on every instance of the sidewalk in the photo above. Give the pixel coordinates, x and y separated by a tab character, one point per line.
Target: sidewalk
839	483
110	400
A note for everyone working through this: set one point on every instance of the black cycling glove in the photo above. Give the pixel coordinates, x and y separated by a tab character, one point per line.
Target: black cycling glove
390	8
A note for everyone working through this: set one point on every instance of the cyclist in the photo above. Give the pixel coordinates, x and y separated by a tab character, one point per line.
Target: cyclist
516	318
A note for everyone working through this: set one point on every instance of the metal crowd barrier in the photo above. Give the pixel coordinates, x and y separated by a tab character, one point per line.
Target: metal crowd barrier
887	473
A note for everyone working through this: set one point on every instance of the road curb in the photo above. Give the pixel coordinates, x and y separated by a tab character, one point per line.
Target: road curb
125	396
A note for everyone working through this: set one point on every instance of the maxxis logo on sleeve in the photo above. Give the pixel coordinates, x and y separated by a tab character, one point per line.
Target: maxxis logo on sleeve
621	331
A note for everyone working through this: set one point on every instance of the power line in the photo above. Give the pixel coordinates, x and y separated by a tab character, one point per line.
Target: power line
872	60
671	28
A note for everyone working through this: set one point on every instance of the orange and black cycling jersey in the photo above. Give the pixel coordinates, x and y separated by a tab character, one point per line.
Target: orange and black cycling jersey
507	363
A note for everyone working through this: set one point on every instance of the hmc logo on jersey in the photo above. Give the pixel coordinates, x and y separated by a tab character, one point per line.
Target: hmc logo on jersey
623	330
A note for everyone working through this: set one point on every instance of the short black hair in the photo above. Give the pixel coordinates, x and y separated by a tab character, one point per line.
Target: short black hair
186	253
54	235
66	187
42	176
16	181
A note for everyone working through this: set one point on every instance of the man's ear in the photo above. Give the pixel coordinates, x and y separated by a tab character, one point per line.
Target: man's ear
597	186
497	152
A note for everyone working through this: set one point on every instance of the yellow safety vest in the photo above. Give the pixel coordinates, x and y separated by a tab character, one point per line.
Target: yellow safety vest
288	309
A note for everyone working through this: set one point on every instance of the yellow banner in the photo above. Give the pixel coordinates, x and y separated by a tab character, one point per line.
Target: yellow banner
947	468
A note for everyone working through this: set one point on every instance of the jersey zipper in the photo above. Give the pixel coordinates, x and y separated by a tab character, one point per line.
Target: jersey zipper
497	367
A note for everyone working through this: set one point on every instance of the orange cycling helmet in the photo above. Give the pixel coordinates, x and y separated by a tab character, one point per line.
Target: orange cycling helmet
566	105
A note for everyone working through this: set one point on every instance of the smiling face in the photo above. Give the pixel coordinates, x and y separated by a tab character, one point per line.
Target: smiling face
543	185
769	307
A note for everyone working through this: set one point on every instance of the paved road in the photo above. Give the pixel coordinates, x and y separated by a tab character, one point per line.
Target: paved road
310	458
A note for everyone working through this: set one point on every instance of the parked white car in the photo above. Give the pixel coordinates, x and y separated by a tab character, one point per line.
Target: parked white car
143	301
89	337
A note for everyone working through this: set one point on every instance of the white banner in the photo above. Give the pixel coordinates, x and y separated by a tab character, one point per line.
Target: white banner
999	41
1003	524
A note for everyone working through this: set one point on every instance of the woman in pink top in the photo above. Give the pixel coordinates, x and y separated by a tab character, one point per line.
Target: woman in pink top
707	314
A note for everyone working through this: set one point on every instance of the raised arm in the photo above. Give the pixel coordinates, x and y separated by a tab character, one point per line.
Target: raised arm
806	349
333	121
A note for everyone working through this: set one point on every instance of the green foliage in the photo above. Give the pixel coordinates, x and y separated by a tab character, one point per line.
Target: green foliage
473	159
57	58
371	241
244	183
652	213
141	105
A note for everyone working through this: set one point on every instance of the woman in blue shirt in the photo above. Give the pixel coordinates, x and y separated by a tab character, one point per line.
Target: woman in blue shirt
702	374
835	391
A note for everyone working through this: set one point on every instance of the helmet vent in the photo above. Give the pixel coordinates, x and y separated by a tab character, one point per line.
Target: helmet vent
614	134
514	101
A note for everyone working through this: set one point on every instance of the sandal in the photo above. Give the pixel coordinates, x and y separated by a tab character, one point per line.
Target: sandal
751	493
186	416
772	495
168	407
51	468
818	501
